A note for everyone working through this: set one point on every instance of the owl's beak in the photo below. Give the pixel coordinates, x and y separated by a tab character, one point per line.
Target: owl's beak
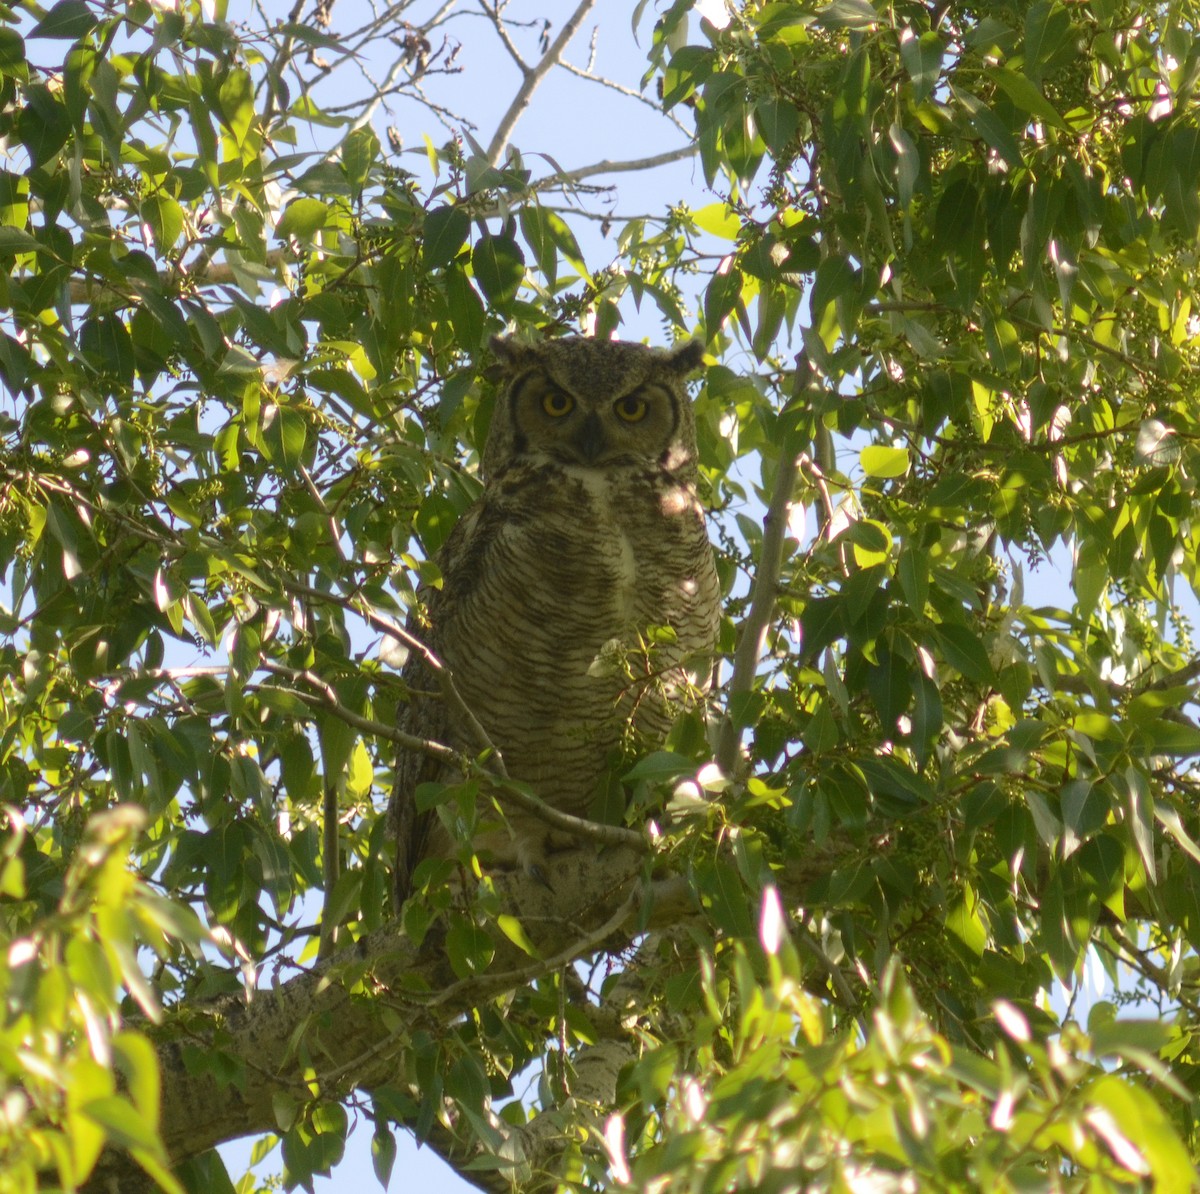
590	440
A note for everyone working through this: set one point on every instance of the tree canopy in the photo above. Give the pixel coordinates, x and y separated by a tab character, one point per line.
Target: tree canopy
834	934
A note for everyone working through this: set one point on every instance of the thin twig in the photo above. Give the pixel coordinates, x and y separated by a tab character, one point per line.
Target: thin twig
531	81
331	860
494	983
628	92
835	976
441	672
323	696
493	11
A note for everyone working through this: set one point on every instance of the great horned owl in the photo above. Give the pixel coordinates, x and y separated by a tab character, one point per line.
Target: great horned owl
587	533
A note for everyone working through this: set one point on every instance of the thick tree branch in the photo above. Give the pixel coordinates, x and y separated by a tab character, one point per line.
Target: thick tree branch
328	1020
344	1029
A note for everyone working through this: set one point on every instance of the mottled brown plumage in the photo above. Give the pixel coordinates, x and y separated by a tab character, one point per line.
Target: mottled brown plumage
588	532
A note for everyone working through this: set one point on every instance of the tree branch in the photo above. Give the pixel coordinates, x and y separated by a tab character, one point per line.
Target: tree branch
324	697
581	827
620	88
493	11
766	583
199	1111
533	79
566	177
333	1013
441	672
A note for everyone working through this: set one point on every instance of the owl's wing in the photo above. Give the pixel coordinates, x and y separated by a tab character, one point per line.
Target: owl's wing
423	715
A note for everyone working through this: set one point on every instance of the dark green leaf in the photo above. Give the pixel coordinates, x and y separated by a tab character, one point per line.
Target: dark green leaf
778	121
69	19
848	14
965	652
922	58
446	230
499	268
383	1154
721	298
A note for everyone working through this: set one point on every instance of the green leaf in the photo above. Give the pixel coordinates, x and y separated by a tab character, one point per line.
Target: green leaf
68	19
890	686
879	460
43	125
1181	164
964	923
564	238
165	218
514	930
1047	33
872	542
467	313
1162	737
536	230
108	346
908	164
848	14
662	765
17	240
727	900
236	103
285	436
990	127
964	652
360	151
302	218
1140	818
721	297
435	520
139	1065
499	268
469	947
1027	97
778	121
922	58
912	568
928	716
821	623
1136	1126
445	232
383	1154
719	219
836	279
122	1123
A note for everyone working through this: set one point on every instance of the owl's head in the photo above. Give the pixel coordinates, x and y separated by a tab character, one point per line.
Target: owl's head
594	403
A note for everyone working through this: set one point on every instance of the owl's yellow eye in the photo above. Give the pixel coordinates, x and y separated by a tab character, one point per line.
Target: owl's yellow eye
556	404
631	408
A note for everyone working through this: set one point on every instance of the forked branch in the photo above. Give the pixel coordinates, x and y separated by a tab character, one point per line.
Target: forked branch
532	80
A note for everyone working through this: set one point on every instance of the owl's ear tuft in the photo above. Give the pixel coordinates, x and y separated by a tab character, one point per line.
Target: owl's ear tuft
687	357
511	356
